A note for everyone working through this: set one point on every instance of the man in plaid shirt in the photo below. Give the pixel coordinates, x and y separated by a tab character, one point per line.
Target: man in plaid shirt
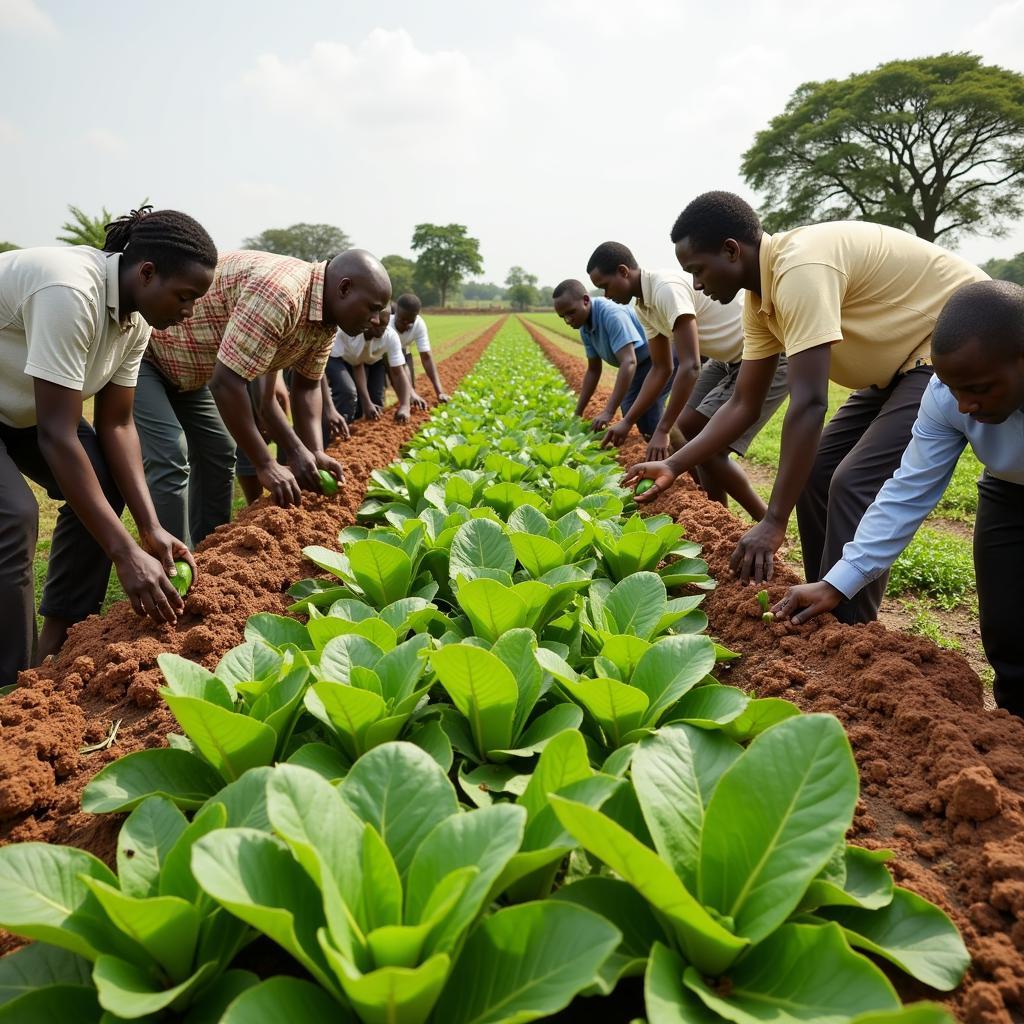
263	313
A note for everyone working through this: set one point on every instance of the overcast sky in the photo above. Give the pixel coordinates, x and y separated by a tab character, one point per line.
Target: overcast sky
544	127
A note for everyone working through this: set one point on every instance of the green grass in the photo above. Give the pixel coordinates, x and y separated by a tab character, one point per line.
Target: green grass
446	328
553	322
936	564
925	624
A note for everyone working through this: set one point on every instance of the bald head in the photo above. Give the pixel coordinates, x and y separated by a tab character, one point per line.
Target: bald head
356	289
989	312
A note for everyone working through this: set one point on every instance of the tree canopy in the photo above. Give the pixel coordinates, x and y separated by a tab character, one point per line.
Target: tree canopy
522	288
446	255
1011	269
402	272
310	242
81	229
8	246
933	145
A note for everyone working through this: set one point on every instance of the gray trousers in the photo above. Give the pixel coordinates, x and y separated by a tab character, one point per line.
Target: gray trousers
861	447
188	454
77	570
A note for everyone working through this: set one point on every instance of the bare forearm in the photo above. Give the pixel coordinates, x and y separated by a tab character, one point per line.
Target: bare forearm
232	398
430	369
653	385
307	412
682	388
801	432
623	379
728	423
123	453
359	378
400	382
587	389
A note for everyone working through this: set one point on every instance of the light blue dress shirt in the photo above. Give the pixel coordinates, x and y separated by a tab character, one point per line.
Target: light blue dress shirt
610	328
941	433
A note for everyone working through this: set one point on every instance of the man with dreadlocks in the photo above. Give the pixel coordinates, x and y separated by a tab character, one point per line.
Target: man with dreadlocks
264	313
74	322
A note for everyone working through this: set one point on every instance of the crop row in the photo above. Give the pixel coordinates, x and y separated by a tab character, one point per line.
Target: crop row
491	770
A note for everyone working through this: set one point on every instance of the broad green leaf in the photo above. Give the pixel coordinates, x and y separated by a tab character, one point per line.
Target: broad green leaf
617	707
402	668
624	652
166	927
429	736
419	478
378	790
482	689
276	630
391	994
43	895
334	562
702	939
671	667
479	783
492	608
347	711
188	679
254	876
758	856
231	742
145	839
382	571
674	774
527	519
542	730
344	653
380	902
252	661
127	991
279	705
865	882
285	1000
245	800
799	973
916	1013
710	706
537	555
481	544
666	1000
527	962
636	605
182	777
760	714
328	763
39	966
176	878
210	1006
516	650
911	933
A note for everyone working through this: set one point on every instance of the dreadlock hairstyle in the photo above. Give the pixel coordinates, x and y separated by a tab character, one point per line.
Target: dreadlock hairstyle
168	238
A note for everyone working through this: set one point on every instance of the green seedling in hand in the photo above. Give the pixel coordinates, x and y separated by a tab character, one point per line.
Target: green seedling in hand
182	582
328	484
762	600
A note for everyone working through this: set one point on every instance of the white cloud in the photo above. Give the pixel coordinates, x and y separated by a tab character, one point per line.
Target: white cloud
25	16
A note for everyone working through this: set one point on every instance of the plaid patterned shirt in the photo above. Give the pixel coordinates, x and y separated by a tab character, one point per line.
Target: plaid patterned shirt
263	312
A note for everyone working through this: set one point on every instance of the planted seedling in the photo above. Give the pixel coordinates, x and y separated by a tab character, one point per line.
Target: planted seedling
182	581
763	601
328	484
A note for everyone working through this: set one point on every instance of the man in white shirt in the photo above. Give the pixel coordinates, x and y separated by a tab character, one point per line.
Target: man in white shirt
74	322
359	366
412	330
677	317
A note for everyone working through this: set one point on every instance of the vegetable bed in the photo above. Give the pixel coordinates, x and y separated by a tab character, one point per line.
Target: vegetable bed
490	767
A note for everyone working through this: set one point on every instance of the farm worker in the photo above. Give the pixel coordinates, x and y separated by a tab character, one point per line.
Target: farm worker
681	321
411	329
359	365
610	334
851	302
74	322
264	312
976	398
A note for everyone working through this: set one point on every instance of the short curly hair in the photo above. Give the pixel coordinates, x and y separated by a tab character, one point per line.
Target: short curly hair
713	217
991	312
609	256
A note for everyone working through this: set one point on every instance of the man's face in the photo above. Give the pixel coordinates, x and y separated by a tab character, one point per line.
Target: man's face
719	275
166	301
573	309
358	304
404	319
615	285
987	388
378	324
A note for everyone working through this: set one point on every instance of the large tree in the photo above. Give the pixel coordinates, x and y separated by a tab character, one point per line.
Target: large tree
522	288
1011	269
446	255
310	242
933	145
402	272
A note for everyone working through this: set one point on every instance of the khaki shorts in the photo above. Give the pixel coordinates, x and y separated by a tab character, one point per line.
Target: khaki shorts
715	386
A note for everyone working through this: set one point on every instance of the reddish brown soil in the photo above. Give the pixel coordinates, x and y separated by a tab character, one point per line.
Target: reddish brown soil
107	669
942	779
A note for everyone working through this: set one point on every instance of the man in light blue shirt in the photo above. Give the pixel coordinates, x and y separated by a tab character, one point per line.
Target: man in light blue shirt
976	397
610	334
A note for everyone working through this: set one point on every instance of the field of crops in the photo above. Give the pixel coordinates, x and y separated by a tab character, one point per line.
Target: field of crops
477	742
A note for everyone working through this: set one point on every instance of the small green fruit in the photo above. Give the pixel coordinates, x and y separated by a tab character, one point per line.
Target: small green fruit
327	483
644	486
182	583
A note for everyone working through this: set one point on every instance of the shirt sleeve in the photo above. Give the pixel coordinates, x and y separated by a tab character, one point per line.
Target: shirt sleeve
314	358
620	330
59	327
758	341
263	316
421	336
127	375
393	348
674	299
808	304
904	500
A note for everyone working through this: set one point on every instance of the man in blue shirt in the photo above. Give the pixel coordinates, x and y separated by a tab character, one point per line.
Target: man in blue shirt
611	334
976	397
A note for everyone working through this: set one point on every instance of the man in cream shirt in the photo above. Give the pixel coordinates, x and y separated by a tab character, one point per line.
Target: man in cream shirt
676	317
847	301
359	366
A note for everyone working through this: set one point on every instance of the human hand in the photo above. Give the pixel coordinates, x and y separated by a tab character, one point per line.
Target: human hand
661	473
616	435
659	447
281	482
753	558
145	575
807	601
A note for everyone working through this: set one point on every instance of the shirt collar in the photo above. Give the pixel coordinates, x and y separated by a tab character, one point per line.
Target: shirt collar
316	291
767	276
114	294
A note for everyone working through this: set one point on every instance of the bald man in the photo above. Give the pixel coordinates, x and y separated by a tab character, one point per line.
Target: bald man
263	313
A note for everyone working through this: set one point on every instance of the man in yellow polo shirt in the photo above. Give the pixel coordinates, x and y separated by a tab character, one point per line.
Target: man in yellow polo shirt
847	301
